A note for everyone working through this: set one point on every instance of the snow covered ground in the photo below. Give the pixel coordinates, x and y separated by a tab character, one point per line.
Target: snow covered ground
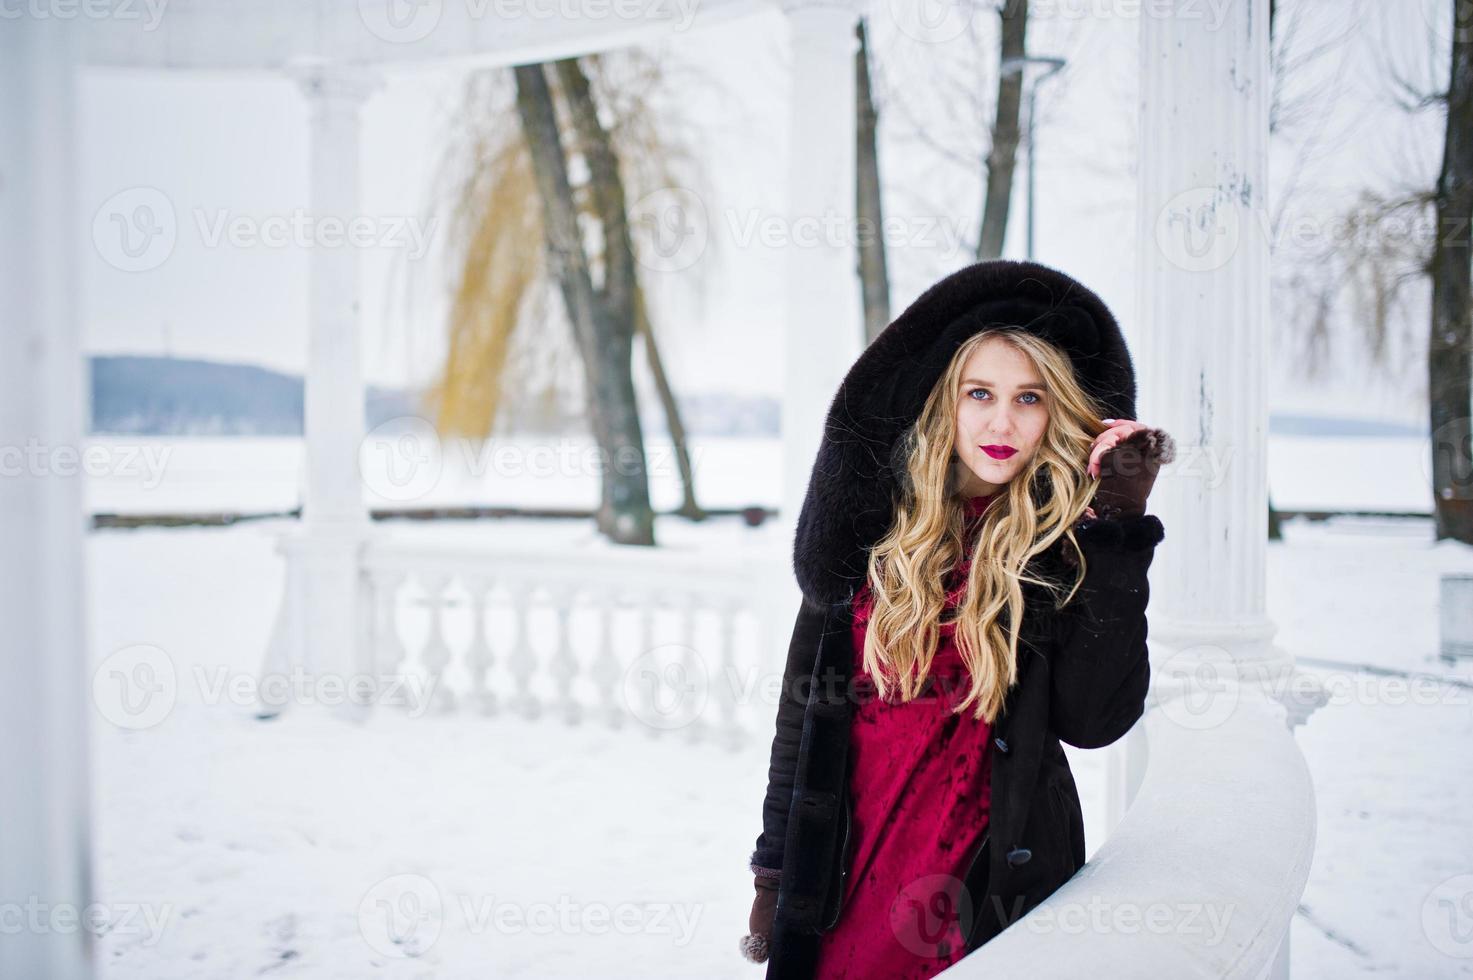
494	847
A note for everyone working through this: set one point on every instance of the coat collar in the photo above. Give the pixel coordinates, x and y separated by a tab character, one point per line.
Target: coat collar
849	501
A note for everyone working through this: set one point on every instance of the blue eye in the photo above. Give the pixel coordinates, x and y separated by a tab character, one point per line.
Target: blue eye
1036	399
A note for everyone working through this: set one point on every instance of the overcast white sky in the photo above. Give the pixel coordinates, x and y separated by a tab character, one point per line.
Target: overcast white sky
234	146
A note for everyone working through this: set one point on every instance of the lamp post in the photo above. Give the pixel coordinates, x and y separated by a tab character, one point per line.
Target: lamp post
1014	66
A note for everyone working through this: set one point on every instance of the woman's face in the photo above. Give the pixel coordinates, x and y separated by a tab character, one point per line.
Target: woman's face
1001	407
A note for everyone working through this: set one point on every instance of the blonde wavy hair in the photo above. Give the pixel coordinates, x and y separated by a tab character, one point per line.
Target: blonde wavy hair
909	565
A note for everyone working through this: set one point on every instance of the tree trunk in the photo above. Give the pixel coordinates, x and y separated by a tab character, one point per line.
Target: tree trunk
874	275
1448	348
623	297
606	187
605	340
1002	158
678	441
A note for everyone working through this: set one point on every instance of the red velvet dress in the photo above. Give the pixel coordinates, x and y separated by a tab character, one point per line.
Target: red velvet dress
921	789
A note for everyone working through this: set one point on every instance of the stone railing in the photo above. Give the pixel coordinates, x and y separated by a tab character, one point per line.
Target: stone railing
663	639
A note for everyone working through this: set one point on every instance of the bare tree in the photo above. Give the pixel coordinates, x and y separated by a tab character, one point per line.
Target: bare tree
1407	233
1448	346
602	319
620	147
977	132
1002	157
874	274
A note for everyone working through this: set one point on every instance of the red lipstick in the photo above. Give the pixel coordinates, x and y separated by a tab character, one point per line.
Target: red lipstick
999	452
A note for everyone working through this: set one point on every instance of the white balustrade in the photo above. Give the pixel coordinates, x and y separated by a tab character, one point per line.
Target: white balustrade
663	640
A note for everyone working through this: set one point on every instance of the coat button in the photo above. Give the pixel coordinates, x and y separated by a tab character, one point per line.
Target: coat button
1002	745
1019	856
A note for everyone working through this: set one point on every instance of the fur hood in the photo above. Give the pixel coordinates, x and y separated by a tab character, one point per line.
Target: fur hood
849	501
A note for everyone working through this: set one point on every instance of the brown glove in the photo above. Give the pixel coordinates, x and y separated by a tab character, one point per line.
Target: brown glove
759	923
1128	472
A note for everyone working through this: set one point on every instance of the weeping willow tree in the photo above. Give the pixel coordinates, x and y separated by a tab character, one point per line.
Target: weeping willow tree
547	299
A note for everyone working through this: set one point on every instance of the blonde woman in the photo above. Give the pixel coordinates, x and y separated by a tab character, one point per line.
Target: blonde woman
972	553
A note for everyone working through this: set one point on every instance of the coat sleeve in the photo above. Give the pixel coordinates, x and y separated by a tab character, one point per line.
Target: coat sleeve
1100	672
767	857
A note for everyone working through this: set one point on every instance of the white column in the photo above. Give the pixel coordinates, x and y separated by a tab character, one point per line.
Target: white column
334	519
334	379
1203	297
824	328
1203	300
45	831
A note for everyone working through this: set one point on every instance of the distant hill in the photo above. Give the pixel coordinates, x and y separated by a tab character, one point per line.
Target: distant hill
134	395
141	395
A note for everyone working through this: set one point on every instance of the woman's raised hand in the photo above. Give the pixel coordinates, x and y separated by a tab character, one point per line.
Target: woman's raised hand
1127	457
